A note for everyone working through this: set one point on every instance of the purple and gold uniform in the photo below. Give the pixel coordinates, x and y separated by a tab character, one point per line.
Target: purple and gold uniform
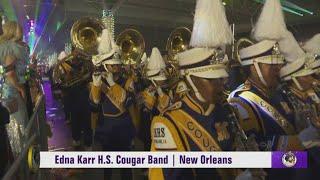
269	119
186	126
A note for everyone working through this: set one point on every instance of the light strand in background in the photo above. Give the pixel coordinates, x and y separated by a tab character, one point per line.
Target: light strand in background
108	20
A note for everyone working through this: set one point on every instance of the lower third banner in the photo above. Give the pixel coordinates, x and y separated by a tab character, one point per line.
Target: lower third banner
173	159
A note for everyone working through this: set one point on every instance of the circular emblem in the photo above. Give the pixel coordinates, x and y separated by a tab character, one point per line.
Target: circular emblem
289	159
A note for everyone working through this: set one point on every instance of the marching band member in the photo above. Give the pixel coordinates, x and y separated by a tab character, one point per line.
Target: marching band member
156	75
262	111
77	104
199	122
298	88
110	96
312	47
155	100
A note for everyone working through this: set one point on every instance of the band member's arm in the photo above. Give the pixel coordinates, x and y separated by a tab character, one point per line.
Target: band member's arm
164	137
131	104
95	98
95	92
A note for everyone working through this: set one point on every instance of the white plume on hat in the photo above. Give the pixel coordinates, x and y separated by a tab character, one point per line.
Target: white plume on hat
271	24
211	28
156	64
62	55
105	45
156	61
144	58
107	48
295	56
290	48
313	45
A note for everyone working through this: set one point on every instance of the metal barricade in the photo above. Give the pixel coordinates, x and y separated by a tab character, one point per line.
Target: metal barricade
36	135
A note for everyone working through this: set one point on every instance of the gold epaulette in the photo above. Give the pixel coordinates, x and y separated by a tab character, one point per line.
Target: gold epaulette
175	106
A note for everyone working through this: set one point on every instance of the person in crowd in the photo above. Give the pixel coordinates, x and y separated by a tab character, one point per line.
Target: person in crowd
13	58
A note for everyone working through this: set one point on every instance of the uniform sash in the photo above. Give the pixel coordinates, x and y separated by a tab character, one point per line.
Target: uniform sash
269	110
195	131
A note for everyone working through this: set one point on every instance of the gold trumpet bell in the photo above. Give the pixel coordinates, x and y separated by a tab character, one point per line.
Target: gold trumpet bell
132	46
85	35
178	41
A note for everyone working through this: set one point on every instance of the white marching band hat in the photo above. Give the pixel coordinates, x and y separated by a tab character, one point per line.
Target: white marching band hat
211	33
108	51
312	47
266	51
297	59
144	59
156	66
268	31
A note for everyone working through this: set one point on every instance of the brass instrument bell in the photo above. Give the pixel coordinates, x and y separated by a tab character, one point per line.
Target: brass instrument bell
177	42
132	46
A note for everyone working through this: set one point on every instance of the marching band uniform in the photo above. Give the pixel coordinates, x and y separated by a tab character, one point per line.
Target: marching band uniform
186	125
262	114
155	72
113	98
64	93
155	100
303	100
76	104
312	47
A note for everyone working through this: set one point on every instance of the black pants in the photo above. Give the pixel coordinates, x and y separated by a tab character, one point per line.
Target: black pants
78	101
116	138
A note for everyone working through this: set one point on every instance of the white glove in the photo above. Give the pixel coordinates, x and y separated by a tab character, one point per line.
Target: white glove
309	137
96	79
96	61
109	78
151	92
159	91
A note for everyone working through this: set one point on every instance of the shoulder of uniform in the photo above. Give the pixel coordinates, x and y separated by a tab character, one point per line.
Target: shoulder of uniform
240	89
163	134
240	106
174	106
